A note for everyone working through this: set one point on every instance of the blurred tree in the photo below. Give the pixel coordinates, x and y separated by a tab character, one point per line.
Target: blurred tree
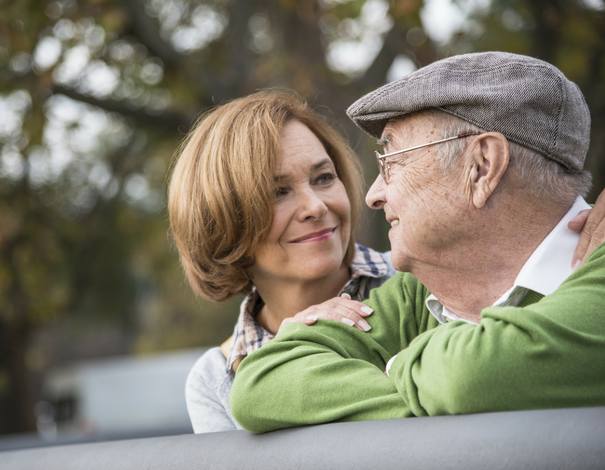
95	94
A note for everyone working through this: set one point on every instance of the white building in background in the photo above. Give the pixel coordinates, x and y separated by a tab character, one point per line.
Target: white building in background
118	396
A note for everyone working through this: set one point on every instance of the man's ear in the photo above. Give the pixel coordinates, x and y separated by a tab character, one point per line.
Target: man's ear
488	159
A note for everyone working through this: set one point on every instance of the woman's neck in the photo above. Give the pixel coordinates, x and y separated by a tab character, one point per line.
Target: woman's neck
285	298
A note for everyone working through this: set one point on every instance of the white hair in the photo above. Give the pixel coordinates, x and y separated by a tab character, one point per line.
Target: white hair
544	177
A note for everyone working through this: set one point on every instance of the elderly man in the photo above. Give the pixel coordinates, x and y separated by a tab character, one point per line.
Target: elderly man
482	173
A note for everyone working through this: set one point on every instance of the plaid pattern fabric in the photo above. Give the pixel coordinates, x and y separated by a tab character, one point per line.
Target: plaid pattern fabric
369	270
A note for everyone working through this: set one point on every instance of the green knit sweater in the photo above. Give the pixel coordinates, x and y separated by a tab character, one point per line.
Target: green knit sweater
549	354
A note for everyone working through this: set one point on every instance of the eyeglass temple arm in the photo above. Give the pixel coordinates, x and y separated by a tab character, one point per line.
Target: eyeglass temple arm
426	145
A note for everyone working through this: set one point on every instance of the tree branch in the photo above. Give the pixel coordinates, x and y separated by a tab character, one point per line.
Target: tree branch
147	32
394	44
169	121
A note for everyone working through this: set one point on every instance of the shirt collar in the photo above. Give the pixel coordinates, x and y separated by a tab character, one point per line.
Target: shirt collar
249	335
550	264
544	271
368	262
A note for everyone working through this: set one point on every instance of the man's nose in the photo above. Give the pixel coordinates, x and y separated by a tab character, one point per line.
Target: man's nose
312	206
375	197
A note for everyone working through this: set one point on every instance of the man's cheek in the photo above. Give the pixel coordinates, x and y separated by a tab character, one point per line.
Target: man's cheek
416	190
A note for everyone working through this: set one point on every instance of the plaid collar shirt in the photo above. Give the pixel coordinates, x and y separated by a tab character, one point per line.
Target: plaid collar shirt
368	270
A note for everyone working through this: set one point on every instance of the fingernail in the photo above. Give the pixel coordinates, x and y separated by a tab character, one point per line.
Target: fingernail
367	310
312	318
365	325
576	265
347	321
346	295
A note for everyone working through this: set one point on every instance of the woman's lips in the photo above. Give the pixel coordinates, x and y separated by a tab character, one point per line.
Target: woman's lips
316	236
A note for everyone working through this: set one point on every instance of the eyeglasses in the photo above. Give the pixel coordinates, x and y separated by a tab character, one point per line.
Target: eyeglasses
385	168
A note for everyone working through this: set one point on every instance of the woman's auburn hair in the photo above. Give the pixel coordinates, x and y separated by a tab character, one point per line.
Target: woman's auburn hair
221	194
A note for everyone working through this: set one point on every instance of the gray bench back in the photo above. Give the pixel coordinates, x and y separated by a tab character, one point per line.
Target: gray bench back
546	439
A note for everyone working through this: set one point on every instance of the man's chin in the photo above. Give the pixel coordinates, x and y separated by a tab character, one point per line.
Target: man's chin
399	262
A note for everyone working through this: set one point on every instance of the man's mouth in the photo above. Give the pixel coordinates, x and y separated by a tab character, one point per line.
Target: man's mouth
394	222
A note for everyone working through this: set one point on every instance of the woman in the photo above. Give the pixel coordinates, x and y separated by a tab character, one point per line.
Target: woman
263	201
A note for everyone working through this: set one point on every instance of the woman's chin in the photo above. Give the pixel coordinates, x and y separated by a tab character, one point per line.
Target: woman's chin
322	269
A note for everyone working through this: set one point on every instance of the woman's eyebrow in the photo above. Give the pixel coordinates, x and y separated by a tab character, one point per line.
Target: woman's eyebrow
314	167
318	165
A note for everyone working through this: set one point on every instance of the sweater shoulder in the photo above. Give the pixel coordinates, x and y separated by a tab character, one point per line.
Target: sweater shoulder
209	372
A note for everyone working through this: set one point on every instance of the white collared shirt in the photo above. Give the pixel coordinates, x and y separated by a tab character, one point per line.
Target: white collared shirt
544	271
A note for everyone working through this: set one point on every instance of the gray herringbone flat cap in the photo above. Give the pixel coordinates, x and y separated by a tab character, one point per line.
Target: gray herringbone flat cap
527	100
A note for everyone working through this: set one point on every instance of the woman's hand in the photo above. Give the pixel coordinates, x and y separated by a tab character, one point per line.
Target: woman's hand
592	225
341	309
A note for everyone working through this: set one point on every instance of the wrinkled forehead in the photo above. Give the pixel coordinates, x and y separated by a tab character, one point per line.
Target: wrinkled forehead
402	129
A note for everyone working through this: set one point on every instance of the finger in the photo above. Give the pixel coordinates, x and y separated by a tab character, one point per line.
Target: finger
305	320
598	236
359	323
341	309
577	223
592	234
345	303
302	318
341	313
353	314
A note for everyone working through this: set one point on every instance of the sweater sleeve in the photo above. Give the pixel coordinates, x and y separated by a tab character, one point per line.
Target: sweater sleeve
330	371
207	394
550	354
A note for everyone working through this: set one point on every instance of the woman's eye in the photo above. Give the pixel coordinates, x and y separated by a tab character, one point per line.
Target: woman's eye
326	178
280	192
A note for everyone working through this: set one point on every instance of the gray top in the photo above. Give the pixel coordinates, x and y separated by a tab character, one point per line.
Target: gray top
207	391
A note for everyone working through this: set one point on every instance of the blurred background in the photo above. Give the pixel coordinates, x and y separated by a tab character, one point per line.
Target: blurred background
97	324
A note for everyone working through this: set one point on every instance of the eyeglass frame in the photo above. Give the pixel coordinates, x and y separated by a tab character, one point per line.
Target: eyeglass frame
385	168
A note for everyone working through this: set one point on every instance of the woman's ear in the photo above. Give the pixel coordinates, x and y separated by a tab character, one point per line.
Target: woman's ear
489	159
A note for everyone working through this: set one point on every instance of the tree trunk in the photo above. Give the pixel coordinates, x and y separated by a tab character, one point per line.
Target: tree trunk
16	405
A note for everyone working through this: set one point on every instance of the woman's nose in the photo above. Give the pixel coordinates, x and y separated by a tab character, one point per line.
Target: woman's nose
312	206
375	197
